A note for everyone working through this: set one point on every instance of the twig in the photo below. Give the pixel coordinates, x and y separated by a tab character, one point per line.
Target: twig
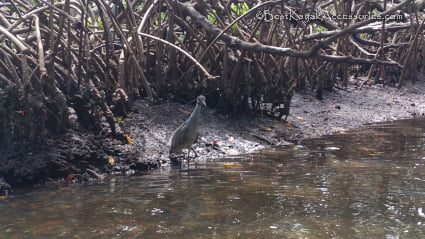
41	60
262	138
182	51
21	45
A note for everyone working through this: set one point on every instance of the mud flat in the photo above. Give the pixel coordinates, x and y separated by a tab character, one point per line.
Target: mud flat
79	155
221	135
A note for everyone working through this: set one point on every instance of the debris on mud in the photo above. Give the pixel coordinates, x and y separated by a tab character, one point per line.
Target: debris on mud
78	155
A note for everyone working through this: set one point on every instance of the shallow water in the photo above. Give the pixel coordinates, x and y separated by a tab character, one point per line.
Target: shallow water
362	184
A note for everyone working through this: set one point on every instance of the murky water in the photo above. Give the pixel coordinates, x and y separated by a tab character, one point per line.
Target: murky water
363	184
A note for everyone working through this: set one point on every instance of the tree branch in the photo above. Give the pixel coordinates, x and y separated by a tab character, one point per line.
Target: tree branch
213	31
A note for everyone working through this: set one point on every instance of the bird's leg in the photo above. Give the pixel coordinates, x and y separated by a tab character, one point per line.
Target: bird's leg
196	155
180	164
188	159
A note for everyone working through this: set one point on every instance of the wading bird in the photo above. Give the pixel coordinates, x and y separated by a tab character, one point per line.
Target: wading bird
186	134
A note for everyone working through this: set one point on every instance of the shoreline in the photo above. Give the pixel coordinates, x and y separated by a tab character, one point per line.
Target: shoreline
81	156
340	111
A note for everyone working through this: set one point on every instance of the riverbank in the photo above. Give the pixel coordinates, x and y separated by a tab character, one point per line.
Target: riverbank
354	107
80	156
341	110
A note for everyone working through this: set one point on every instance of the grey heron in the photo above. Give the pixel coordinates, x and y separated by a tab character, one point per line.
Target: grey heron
185	135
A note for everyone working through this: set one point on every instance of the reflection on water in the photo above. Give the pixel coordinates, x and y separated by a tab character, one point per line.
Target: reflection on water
362	184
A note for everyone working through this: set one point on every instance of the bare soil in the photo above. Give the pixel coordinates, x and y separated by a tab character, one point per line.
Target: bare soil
354	107
79	155
221	135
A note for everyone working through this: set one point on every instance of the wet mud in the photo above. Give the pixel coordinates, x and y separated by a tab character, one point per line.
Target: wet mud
79	155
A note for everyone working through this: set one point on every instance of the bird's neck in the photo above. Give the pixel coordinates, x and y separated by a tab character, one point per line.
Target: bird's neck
195	114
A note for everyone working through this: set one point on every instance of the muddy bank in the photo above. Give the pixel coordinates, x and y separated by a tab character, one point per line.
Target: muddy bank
75	156
151	126
221	135
354	107
79	155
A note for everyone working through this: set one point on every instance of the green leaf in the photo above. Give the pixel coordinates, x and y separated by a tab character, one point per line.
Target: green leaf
239	8
212	16
99	23
320	28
